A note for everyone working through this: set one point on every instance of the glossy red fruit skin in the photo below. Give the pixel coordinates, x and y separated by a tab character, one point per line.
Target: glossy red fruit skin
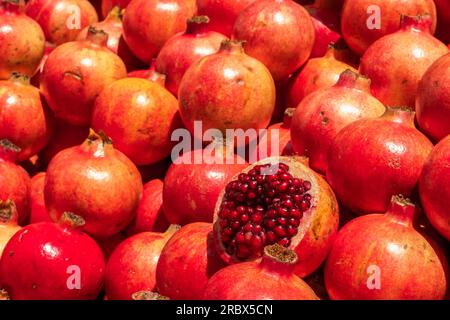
40	259
434	189
322	114
38	212
184	49
387	155
355	17
186	263
132	265
22	41
433	100
149	74
148	24
100	175
410	266
284	23
8	222
122	111
57	20
387	62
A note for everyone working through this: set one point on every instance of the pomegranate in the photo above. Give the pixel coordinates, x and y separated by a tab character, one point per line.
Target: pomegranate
394	77
75	73
8	222
276	200
227	90
433	100
61	20
283	23
271	279
443	12
193	183
365	21
149	74
386	156
26	121
52	261
434	188
148	24
22	40
184	49
108	5
38	212
36	78
383	256
322	114
14	180
93	173
186	263
140	116
132	266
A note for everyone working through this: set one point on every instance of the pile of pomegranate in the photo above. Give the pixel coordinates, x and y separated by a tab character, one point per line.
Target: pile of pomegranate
224	149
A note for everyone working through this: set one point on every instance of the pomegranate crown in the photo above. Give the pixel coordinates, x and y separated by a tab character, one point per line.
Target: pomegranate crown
196	24
7	210
8	150
148	295
420	22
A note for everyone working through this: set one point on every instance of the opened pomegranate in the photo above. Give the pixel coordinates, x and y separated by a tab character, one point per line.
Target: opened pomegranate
434	188
52	261
226	90
148	24
284	24
322	114
38	212
132	266
365	21
61	20
276	200
386	156
94	173
140	116
388	61
22	40
8	222
149	74
433	100
187	262
184	49
383	256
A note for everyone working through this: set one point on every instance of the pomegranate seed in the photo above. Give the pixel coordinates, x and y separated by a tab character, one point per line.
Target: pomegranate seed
279	231
257	229
235	224
281	221
295	213
291	231
294	222
307	185
223	223
271	237
248	227
240	237
283	212
257	218
270	223
244	218
284	242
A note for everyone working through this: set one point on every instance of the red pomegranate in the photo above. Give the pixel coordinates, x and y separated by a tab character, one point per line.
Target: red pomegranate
132	265
276	200
322	114
96	174
75	73
386	156
433	100
22	40
227	90
38	212
52	261
283	24
434	188
36	78
186	263
108	5
149	74
61	20
271	279
397	62
443	12
140	116
365	21
148	24
184	49
8	222
14	180
383	256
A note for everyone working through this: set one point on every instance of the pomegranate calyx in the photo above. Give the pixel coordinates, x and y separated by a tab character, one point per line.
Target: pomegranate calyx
116	13
148	295
279	259
287	117
196	24
419	23
7	211
4	295
20	78
402	115
354	80
232	46
97	36
71	220
100	136
171	230
402	210
8	150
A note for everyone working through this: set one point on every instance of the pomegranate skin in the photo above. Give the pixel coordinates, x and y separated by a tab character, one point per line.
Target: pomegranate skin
271	279
41	259
36	78
149	74
322	114
8	222
184	49
140	127
434	189
387	155
22	41
148	24
355	19
388	247
38	212
186	263
397	62
56	18
97	174
433	100
285	23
